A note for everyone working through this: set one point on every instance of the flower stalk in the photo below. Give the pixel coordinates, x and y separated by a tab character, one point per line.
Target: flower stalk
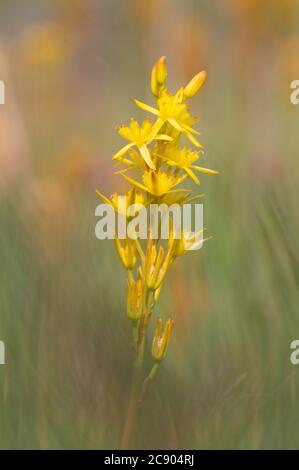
157	159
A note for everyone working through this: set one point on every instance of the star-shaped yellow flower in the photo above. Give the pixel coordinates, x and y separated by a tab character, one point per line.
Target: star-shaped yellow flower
172	109
140	137
184	159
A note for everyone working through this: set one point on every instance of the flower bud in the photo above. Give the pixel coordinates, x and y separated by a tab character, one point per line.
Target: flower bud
156	266
127	253
161	339
159	76
195	84
187	242
135	298
161	71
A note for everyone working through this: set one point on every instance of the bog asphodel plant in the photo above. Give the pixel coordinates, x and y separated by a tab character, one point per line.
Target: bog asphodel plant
162	154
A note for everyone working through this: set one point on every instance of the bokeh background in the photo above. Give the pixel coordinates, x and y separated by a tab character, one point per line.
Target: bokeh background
71	71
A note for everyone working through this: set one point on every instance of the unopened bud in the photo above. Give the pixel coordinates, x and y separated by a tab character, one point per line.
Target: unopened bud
159	76
135	298
161	339
195	84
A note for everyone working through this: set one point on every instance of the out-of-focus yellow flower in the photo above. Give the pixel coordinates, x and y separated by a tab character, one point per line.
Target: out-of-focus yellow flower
157	184
140	137
195	84
127	252
135	298
161	339
46	44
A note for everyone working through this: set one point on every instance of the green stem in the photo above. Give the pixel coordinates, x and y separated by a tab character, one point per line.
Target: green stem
139	337
133	400
148	381
135	336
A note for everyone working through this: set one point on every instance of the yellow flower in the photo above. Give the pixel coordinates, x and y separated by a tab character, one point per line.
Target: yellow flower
161	339
157	184
46	45
127	252
155	153
184	159
140	137
135	298
172	109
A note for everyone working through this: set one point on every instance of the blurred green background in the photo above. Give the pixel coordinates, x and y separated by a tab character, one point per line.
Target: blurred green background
71	71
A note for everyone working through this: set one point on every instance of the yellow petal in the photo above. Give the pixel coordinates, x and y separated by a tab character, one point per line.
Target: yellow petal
147	157
104	198
175	124
194	198
193	140
146	107
123	150
156	127
192	175
135	183
120	160
163	137
207	171
190	129
120	172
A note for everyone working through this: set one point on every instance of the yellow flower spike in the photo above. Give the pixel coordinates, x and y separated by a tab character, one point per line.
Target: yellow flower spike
195	84
135	298
127	253
161	162
159	76
161	339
